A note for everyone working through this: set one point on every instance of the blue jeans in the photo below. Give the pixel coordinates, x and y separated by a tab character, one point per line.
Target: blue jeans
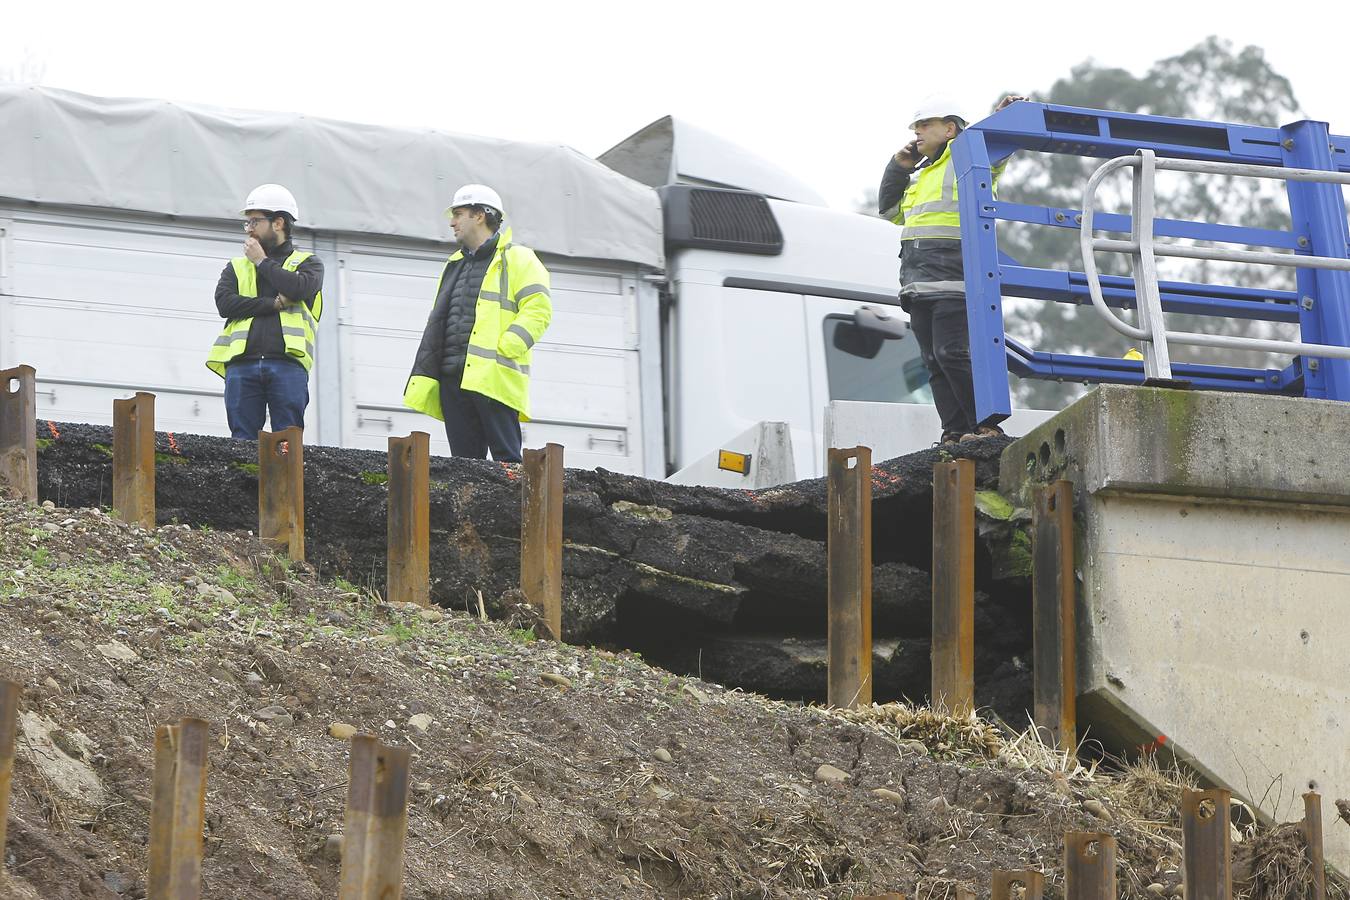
255	387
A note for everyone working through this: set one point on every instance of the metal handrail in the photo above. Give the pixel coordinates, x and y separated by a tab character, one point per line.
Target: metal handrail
1152	328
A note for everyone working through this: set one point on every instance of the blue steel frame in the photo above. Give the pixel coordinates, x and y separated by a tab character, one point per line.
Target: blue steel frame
1321	305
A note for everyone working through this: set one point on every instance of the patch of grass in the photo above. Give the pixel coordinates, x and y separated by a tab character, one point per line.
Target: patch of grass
375	477
523	635
401	632
234	580
40	557
44	443
250	468
103	448
162	595
170	459
344	585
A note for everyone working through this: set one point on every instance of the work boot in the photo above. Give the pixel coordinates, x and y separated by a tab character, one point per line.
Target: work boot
982	431
950	438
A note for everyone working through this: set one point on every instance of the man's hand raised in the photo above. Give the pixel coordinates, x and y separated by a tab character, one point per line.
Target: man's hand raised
908	156
254	251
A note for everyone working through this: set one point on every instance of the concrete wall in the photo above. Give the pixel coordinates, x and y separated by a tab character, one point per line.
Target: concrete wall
1214	594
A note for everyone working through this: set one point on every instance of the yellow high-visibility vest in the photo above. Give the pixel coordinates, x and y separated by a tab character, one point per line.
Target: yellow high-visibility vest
511	314
298	322
929	207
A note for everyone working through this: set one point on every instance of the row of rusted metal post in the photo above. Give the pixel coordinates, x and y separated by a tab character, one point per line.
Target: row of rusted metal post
281	493
1090	857
849	552
374	828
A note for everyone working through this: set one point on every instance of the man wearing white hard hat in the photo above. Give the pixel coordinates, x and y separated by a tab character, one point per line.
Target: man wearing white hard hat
918	193
271	299
492	305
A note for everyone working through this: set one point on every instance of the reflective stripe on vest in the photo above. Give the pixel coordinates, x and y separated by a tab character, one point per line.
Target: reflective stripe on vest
299	323
513	276
930	207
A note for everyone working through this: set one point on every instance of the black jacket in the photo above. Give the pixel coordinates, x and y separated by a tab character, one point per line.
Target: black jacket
264	335
921	259
457	304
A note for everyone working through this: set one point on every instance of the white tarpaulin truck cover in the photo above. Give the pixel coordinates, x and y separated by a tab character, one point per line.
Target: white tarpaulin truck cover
63	148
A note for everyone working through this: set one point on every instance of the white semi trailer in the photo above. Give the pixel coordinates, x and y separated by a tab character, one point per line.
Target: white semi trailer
697	289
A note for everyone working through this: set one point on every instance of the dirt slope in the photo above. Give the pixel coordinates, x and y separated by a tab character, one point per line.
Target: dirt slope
607	778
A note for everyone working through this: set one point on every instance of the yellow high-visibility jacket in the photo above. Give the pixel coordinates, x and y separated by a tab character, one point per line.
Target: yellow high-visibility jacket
511	314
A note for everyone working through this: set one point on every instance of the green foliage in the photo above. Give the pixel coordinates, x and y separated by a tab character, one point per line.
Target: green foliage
250	468
231	578
523	635
401	632
170	459
44	443
103	448
375	477
1211	81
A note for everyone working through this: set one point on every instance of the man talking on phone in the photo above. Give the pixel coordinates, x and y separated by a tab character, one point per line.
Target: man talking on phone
918	193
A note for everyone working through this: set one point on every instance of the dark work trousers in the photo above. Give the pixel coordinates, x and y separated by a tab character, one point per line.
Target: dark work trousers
475	424
944	341
256	387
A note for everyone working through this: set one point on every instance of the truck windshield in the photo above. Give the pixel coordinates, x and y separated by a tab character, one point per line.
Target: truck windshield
862	364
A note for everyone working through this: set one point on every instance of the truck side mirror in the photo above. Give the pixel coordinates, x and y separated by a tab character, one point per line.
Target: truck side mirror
881	322
855	341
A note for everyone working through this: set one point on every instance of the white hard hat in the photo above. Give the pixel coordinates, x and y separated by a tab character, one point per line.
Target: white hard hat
271	198
475	195
938	106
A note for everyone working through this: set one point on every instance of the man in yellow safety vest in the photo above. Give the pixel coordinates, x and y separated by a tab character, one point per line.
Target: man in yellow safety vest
492	305
271	299
918	192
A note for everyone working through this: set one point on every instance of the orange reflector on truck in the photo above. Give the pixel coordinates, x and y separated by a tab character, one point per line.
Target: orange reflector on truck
731	461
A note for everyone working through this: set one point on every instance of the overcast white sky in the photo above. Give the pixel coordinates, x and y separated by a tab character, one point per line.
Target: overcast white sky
822	89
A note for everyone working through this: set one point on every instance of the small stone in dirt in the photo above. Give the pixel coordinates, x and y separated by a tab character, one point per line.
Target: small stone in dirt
661	754
1156	889
1176	890
431	615
337	617
116	882
694	692
332	848
421	722
118	651
830	774
421	787
47	504
51	616
341	730
192	581
889	795
203	588
554	678
51	684
225	596
939	804
277	715
389	723
1095	807
384	640
912	746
